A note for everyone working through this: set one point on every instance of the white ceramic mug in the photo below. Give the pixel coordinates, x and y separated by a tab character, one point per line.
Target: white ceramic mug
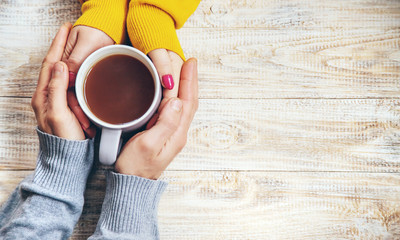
111	133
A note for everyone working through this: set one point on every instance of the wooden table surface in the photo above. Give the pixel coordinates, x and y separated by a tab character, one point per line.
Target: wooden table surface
298	131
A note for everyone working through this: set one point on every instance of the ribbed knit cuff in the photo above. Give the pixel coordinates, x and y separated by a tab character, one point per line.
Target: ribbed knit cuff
106	15
63	165
130	204
150	28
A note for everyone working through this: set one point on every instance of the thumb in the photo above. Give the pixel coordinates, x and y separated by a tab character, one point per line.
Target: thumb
166	125
57	88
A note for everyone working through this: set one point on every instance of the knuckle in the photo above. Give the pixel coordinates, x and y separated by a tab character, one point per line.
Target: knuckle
34	103
46	64
45	61
67	51
164	66
51	88
35	107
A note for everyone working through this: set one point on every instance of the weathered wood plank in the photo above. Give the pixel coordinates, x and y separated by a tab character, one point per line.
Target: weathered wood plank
235	205
272	14
18	139
39	13
261	205
248	63
232	134
260	63
296	64
297	14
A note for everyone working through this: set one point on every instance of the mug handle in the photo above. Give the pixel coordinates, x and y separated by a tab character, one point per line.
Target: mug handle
109	145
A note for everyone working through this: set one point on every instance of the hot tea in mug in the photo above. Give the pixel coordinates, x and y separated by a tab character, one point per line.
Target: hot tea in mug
119	89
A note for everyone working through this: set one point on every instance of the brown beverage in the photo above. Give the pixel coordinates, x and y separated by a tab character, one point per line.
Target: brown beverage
119	89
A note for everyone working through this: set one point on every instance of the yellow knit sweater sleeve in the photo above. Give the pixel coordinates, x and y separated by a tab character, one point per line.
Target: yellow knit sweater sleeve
108	16
151	23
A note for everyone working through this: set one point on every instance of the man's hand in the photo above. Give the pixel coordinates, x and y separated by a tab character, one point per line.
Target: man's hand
148	153
50	98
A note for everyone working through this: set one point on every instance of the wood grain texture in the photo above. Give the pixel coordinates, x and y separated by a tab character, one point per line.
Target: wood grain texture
248	63
294	14
261	205
39	13
18	140
298	130
271	14
244	134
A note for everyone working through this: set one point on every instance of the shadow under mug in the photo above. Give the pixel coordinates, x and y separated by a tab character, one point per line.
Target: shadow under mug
111	133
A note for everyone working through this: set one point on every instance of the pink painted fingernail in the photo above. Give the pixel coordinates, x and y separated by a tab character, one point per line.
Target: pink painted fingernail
168	81
72	77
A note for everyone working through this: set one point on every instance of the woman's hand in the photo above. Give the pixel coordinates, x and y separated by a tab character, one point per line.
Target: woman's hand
50	98
148	153
168	65
82	41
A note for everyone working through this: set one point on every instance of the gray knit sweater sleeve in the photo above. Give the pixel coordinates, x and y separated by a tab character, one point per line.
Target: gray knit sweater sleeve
130	208
48	203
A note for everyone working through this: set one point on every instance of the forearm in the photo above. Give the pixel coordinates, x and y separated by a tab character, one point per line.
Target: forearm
108	16
151	24
48	203
130	208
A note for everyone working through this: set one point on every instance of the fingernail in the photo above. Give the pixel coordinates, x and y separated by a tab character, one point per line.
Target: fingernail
72	78
58	68
195	61
85	124
168	81
177	105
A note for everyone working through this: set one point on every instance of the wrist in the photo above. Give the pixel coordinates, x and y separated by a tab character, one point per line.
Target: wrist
107	16
132	170
137	198
63	165
156	31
